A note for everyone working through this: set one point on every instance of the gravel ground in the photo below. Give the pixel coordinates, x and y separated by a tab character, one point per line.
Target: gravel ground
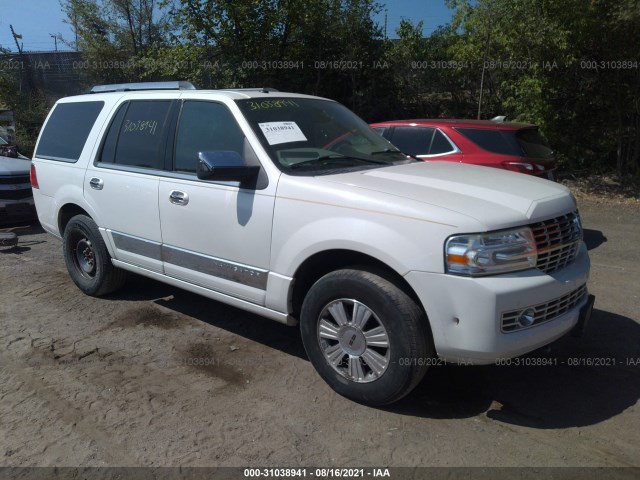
155	376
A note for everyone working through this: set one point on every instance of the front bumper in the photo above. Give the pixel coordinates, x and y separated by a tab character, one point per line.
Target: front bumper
23	209
466	314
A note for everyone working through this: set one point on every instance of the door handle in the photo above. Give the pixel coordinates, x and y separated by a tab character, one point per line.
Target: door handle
96	183
178	198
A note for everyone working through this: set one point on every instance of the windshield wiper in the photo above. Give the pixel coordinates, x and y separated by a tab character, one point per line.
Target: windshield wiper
386	150
325	159
390	150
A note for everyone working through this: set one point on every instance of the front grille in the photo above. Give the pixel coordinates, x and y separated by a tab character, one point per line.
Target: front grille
544	312
558	241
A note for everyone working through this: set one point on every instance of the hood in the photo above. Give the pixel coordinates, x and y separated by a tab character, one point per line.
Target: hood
14	166
495	198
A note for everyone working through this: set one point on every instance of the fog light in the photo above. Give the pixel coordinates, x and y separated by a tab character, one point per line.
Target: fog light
527	317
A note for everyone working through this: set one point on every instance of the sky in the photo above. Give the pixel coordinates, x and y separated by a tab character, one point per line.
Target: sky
37	20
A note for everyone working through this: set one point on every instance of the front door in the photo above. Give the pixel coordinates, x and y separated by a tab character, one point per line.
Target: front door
216	235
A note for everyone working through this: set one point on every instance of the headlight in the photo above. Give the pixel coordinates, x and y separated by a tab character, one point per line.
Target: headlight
491	253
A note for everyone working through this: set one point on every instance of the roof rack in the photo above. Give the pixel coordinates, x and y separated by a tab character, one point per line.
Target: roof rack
252	89
127	87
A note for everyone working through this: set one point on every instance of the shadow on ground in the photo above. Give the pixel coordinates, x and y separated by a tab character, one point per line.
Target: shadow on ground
593	238
254	327
575	382
23	231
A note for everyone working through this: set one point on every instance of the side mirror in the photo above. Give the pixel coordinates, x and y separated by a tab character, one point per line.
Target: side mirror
225	165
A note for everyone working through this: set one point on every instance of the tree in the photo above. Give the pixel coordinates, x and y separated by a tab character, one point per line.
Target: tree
325	47
114	35
30	107
569	66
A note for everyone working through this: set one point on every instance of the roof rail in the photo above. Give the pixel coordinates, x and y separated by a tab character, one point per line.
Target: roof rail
251	89
127	87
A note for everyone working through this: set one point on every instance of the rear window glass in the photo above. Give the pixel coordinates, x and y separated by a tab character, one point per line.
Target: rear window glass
534	144
67	130
495	141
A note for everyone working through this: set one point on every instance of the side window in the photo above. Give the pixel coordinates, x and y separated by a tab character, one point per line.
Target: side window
67	130
440	145
413	140
135	137
492	140
108	154
205	126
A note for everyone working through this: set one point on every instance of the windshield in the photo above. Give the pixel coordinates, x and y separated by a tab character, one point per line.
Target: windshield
313	136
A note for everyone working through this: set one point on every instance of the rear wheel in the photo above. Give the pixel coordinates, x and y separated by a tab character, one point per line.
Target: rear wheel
87	258
365	336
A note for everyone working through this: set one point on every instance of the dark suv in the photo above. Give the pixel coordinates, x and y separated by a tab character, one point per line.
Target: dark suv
16	198
493	143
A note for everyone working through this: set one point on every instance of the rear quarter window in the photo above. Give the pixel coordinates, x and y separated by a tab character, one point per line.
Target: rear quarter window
440	145
67	129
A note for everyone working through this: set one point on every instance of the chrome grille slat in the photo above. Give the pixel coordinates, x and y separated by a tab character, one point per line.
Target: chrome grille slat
544	312
557	240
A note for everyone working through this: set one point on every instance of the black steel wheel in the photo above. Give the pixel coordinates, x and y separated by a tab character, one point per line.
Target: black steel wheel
87	258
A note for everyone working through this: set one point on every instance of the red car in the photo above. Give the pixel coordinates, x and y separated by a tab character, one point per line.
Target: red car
493	143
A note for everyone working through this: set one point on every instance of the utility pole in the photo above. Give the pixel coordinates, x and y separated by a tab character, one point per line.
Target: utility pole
15	38
484	66
75	27
385	23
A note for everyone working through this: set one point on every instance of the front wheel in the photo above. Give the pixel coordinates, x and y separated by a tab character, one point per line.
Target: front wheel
87	258
365	336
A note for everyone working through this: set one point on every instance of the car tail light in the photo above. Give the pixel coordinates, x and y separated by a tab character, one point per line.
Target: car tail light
33	177
523	167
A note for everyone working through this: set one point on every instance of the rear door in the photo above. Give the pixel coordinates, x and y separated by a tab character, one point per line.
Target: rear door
122	183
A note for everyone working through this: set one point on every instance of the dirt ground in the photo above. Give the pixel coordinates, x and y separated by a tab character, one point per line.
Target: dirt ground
155	376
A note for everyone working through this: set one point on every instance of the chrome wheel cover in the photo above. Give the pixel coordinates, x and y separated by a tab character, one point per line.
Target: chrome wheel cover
353	340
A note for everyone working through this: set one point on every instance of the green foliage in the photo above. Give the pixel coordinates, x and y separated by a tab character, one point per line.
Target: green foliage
116	36
559	65
325	47
30	108
569	66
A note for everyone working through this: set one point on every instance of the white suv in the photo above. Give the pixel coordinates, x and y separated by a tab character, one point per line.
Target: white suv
291	207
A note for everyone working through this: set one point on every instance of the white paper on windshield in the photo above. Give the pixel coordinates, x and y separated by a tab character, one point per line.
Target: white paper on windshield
282	132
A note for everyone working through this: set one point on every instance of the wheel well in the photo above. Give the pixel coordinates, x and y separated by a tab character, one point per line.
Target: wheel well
328	261
67	212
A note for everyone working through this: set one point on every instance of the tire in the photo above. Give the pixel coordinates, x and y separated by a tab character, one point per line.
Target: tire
88	260
365	336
